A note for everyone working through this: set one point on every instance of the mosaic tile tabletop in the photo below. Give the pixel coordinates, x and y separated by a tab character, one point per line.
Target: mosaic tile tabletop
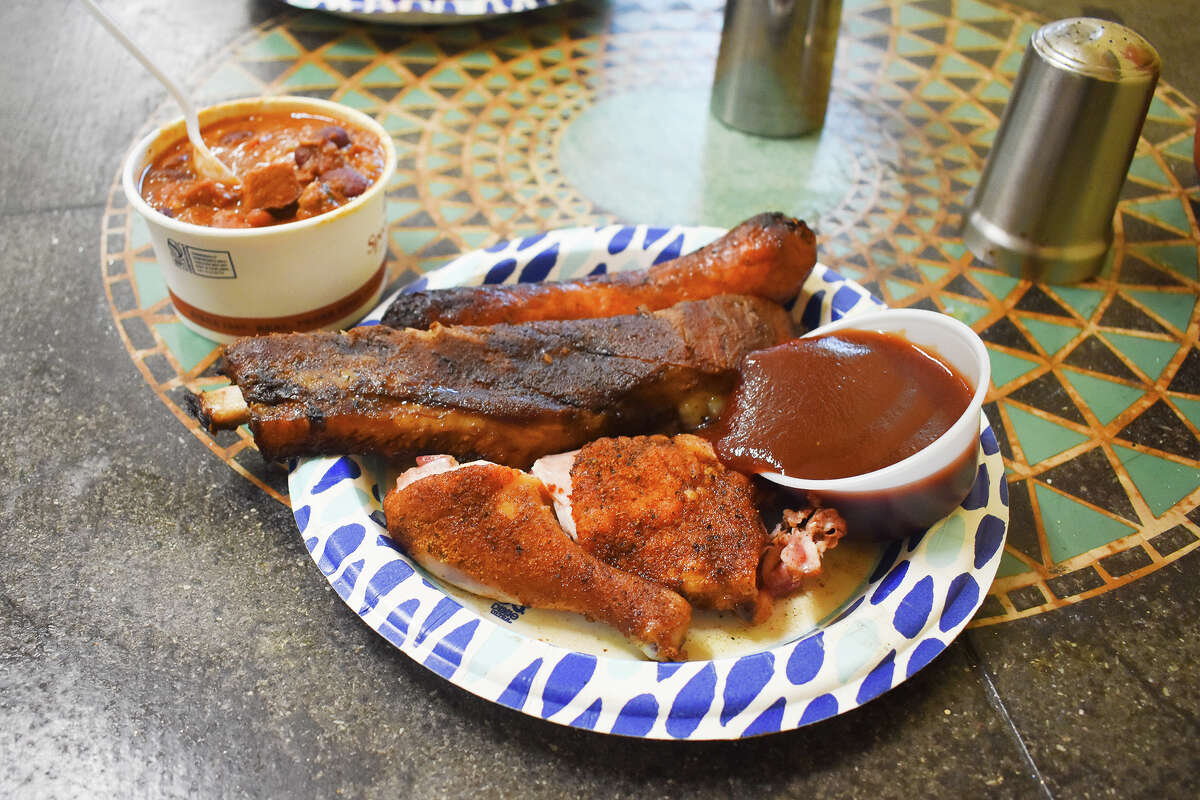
587	113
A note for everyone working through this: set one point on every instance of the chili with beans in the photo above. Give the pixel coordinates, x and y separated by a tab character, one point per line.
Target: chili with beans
292	166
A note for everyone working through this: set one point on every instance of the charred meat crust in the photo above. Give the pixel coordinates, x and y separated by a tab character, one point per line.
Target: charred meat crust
769	255
508	393
666	509
496	526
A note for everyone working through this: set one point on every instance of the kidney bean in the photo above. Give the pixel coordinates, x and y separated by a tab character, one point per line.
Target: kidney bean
346	181
336	134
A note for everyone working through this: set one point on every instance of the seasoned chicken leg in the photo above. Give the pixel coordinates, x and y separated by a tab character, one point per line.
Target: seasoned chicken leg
491	530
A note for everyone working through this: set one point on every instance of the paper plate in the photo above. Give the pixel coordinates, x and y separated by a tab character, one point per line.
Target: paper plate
897	616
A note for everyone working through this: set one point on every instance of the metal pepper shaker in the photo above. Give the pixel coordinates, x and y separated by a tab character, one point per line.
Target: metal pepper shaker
775	64
1044	205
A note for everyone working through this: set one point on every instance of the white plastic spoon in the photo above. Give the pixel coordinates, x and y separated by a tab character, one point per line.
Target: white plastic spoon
205	162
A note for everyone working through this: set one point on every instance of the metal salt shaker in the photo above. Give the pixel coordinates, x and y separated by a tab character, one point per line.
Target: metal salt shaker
775	64
1044	205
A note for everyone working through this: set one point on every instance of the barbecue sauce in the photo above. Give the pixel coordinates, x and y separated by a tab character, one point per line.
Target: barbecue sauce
838	405
845	404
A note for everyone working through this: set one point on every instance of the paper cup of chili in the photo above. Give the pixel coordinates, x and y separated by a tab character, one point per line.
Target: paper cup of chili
299	244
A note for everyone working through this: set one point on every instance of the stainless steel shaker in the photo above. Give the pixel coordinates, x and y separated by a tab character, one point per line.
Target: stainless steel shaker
775	64
1044	205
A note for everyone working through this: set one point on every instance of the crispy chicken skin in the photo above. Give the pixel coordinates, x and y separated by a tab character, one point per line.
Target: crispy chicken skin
506	393
490	529
667	510
769	255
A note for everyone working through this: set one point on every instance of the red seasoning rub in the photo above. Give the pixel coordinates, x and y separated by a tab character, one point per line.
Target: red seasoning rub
838	405
292	166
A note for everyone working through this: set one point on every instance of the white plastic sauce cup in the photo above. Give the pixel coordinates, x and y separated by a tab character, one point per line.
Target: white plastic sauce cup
912	494
326	271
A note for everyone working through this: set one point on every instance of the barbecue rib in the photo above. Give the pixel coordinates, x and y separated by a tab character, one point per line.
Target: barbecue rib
490	530
506	393
768	256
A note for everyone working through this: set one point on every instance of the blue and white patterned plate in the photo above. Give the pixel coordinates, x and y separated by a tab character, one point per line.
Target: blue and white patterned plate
421	12
894	617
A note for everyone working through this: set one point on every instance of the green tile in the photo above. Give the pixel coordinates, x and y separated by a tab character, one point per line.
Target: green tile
1175	308
480	59
383	75
399	209
968	38
968	112
1007	367
1161	110
1146	168
1169	211
1050	335
1083	301
970	9
453	213
474	98
1188	407
188	347
964	311
937	90
449	76
998	284
1181	148
353	46
139	234
523	67
912	17
476	239
1162	483
1040	438
272	46
418	51
1179	258
907	45
1012	64
937	131
1107	399
902	71
953	249
932	273
151	287
899	290
310	76
418	98
1011	565
953	65
1150	355
995	91
411	241
395	123
1073	528
357	100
